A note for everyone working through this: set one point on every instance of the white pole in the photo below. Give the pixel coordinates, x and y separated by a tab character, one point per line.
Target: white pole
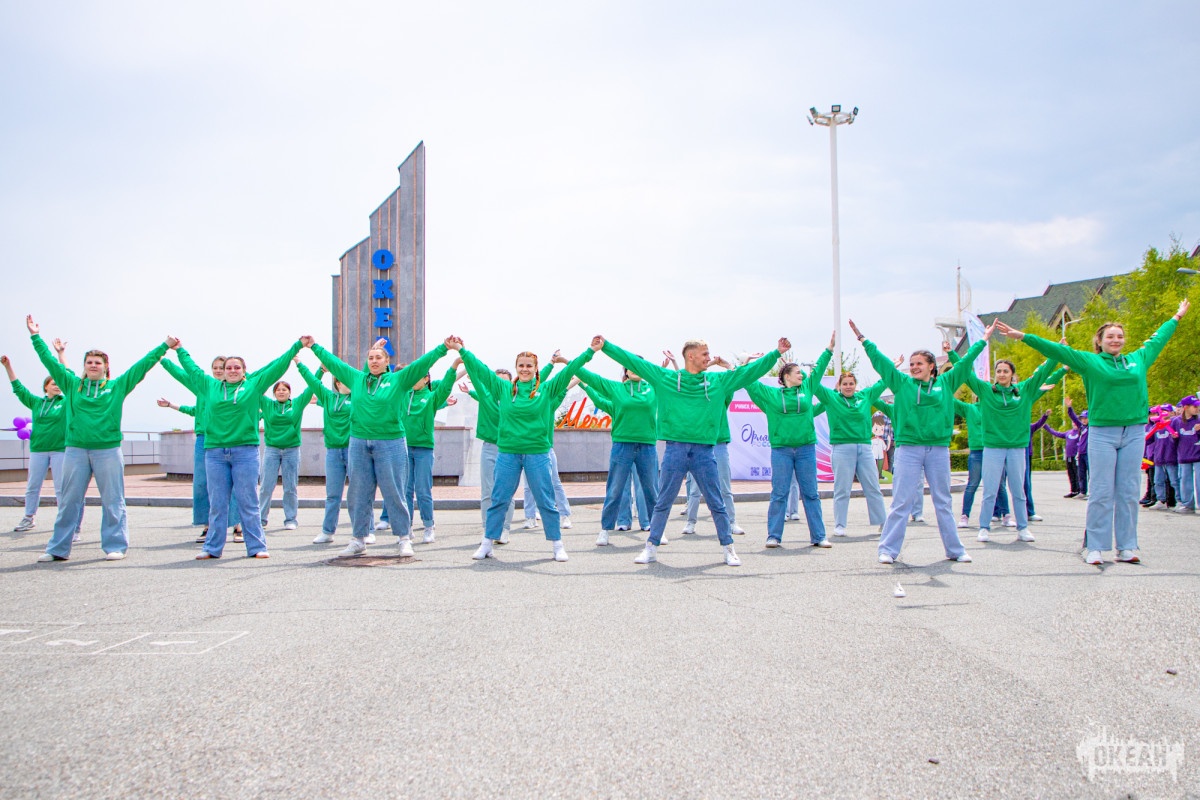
837	278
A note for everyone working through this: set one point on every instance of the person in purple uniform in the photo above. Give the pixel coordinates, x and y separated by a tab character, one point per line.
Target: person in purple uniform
1187	428
1080	421
1166	465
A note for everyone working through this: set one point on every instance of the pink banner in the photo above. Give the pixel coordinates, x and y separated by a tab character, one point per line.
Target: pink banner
750	449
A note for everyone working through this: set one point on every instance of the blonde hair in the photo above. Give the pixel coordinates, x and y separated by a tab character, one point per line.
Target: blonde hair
537	376
690	343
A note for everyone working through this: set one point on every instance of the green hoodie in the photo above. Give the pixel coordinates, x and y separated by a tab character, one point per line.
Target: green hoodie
49	420
336	406
233	408
790	410
376	411
974	419
281	421
1006	410
94	408
176	372
849	417
630	404
487	421
692	405
923	411
526	417
1115	385
422	405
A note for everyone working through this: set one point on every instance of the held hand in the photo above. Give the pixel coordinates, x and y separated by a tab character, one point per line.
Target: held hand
462	387
379	344
853	327
783	345
597	343
306	341
833	340
987	333
452	342
1005	330
451	400
164	402
60	346
172	342
33	327
557	358
1184	305
945	346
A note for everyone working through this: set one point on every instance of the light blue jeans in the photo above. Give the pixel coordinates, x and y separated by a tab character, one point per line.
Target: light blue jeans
974	476
335	487
793	501
624	459
1114	483
800	463
907	495
721	453
287	461
637	496
418	484
488	455
377	464
199	483
38	464
700	460
998	461
79	465
233	479
1187	484
560	495
849	459
1164	474
539	478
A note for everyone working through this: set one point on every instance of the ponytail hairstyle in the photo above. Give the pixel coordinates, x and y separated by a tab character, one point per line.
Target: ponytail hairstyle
928	356
103	356
537	375
786	370
1099	337
1011	365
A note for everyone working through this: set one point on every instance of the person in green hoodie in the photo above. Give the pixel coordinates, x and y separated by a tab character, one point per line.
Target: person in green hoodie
47	442
526	407
691	403
231	446
631	405
420	407
335	405
1005	408
923	416
1118	404
378	452
94	403
793	439
282	417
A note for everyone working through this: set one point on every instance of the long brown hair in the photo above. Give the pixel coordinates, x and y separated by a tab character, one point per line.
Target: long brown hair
1099	337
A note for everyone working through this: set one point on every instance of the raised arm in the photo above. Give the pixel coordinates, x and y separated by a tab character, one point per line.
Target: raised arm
65	379
135	374
650	372
1154	345
747	374
597	385
325	395
964	369
598	399
487	383
338	368
180	374
274	371
1045	374
60	348
558	384
818	371
422	366
1063	354
1075	420
443	388
12	376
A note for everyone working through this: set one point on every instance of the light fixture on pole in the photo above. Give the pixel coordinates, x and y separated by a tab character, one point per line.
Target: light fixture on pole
831	120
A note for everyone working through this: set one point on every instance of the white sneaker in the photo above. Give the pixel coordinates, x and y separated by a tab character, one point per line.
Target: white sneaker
1009	521
737	530
1093	557
995	519
663	539
839	531
26	524
75	537
1128	556
963	522
565	523
370	538
356	547
1035	517
792	518
1184	510
530	524
289	526
383	525
648	555
1159	506
823	543
484	551
602	539
1025	536
323	538
884	558
46	558
113	556
405	547
731	558
983	535
503	538
965	558
772	543
919	519
560	552
430	535
622	528
689	527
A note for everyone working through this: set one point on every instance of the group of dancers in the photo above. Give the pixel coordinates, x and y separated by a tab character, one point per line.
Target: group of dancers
379	436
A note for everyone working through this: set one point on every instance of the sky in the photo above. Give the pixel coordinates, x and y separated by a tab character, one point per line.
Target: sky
643	170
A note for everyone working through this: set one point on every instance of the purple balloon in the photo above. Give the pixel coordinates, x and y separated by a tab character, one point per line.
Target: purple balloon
18	422
24	433
29	420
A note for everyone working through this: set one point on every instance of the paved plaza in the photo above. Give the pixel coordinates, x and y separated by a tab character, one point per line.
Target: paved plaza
799	674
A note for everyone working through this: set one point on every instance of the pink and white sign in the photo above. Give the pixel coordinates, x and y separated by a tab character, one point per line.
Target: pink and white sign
750	449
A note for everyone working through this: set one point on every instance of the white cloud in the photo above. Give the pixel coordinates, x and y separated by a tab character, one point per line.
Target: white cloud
1053	236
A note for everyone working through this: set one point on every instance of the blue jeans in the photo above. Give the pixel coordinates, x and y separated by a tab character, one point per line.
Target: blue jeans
539	477
287	461
488	454
999	462
793	501
1187	484
1028	482
1164	474
233	477
560	495
911	460
335	487
79	465
721	453
974	476
199	484
1115	466
849	459
418	486
679	459
800	462
377	464
623	460
637	496
38	464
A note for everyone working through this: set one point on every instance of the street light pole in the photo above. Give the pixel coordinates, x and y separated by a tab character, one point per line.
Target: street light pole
831	120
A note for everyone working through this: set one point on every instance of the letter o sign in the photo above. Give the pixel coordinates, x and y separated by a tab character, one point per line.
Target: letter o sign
383	259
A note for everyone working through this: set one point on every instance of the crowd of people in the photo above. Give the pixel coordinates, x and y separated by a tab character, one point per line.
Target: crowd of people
379	440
